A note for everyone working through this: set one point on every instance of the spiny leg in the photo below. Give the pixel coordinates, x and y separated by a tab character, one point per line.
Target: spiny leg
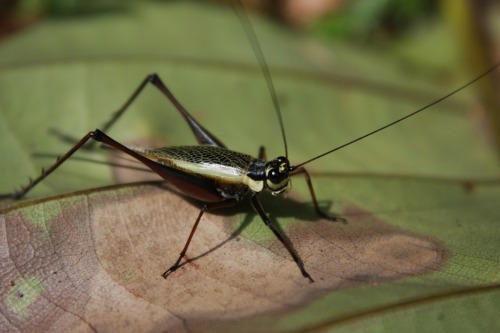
60	160
203	136
205	207
96	135
304	172
258	208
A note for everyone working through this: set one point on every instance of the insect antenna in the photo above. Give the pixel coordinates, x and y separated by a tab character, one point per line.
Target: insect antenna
242	14
400	119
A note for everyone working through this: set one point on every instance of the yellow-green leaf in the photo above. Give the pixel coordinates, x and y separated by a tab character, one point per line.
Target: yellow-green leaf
419	252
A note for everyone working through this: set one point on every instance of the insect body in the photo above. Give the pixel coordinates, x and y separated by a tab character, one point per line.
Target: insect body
210	172
223	177
228	172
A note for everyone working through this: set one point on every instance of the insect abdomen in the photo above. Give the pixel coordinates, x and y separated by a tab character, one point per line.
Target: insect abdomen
225	167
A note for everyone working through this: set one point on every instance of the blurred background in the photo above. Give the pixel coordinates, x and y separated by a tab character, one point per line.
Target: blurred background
370	24
360	21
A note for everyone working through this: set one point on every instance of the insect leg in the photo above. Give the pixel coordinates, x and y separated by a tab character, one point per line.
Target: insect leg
258	208
303	171
205	207
204	192
262	153
60	160
203	136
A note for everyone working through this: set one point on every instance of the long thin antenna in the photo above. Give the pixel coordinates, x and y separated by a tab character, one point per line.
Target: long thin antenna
400	119
242	14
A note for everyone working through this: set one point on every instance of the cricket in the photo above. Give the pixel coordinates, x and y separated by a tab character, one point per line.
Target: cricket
210	172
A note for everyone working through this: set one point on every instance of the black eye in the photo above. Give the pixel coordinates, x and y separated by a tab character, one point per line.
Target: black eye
274	176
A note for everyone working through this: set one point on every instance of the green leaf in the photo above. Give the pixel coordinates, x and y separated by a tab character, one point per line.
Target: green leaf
419	252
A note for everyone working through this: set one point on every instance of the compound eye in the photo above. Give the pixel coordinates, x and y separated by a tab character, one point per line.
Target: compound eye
274	176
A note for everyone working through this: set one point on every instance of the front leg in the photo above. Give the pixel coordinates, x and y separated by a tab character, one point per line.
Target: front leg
327	216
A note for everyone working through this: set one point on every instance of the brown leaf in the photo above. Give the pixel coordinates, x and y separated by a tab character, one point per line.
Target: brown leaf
93	261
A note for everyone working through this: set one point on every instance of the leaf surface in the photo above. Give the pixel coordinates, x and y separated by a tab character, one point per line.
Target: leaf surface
420	246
